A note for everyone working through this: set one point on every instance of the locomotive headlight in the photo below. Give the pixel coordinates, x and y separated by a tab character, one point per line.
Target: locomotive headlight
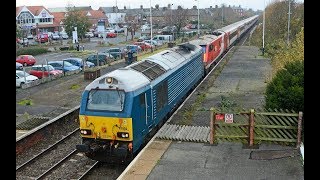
85	132
123	135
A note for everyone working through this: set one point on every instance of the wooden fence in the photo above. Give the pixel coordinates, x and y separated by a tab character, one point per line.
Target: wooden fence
253	127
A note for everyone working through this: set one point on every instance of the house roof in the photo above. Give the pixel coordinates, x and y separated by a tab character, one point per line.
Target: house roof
58	17
64	9
35	10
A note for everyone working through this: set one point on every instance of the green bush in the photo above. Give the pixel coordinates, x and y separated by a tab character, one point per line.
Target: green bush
286	90
32	51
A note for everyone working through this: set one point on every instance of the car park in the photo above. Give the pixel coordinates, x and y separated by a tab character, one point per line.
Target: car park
26	60
23	78
79	62
63	65
19	66
44	71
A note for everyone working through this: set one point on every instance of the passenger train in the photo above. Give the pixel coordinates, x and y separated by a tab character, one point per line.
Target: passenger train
120	109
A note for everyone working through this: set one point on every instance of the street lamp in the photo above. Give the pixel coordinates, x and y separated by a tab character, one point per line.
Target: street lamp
150	21
198	19
264	11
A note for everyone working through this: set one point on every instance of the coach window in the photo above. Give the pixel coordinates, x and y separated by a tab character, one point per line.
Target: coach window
162	95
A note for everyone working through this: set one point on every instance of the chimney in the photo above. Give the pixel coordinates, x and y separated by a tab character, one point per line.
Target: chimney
179	7
124	7
229	6
194	7
239	6
141	7
169	6
216	6
210	7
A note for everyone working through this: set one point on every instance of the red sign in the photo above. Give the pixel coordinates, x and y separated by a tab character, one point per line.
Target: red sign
219	117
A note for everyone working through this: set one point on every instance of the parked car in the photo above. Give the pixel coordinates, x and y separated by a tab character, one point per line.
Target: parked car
117	53
19	66
45	70
23	78
144	46
29	36
64	66
102	58
23	41
153	42
133	48
89	35
111	35
42	38
64	35
26	60
110	30
55	36
79	62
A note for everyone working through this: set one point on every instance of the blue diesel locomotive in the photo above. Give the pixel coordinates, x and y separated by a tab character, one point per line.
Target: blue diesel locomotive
119	109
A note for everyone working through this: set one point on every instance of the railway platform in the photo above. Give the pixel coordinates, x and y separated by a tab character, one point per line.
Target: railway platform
242	82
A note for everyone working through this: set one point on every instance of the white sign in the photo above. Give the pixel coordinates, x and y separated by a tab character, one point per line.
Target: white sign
74	37
228	118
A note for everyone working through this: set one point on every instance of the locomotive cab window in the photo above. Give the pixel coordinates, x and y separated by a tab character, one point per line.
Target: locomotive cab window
162	95
211	47
105	100
142	99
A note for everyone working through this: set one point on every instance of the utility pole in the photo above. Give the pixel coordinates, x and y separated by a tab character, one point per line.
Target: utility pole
222	6
288	40
150	22
263	24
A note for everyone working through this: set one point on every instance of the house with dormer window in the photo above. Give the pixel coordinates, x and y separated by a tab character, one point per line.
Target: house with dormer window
35	18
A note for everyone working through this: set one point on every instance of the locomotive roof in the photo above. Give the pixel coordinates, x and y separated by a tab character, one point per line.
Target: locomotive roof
203	40
143	72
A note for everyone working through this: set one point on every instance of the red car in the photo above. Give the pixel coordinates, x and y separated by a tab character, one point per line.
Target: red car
40	71
26	60
144	46
111	35
42	38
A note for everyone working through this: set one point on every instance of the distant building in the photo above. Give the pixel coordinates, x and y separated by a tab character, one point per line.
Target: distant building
238	10
31	18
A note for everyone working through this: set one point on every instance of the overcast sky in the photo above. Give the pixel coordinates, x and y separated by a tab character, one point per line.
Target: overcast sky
95	4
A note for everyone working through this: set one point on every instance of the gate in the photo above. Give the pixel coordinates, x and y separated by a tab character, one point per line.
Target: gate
253	127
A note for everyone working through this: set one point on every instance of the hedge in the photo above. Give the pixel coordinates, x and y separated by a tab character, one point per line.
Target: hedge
31	51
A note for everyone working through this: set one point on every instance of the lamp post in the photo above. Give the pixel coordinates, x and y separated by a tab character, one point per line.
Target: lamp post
288	40
198	20
150	22
263	24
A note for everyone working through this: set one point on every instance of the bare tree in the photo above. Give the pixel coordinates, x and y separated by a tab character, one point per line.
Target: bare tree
178	17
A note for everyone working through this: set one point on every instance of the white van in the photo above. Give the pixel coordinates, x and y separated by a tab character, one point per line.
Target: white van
163	38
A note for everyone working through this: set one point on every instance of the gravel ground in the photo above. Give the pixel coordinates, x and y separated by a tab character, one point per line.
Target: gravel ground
240	84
